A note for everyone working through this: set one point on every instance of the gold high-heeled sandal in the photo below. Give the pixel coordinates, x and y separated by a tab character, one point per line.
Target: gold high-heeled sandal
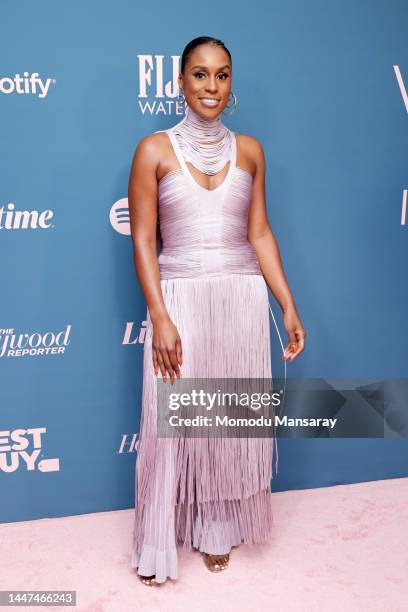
147	580
216	563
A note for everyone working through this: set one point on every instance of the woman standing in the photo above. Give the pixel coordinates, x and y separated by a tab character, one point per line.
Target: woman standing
207	317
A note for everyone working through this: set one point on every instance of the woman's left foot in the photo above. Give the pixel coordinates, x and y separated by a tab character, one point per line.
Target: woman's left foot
216	563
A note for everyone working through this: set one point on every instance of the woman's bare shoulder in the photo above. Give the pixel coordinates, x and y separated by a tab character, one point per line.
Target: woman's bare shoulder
150	152
250	144
250	153
153	144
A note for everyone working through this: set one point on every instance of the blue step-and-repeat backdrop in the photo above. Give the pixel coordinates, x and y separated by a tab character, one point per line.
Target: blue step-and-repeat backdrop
324	87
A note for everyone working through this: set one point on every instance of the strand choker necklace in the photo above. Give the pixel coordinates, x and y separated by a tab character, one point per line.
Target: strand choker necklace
205	143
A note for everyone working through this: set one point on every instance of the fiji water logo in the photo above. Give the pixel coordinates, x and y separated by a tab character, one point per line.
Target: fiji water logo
33	344
21	449
119	216
158	96
12	219
28	84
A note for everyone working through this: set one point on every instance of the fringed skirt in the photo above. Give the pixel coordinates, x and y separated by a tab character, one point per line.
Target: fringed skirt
208	494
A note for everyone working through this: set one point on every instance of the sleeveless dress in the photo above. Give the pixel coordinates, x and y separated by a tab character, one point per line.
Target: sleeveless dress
210	494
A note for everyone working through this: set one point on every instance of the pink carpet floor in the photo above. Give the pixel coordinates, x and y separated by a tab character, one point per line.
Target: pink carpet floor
341	548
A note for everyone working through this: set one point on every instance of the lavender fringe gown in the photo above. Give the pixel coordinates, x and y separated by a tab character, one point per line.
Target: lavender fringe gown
208	494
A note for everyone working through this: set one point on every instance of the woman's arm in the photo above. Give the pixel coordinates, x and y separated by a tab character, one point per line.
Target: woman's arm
142	198
261	237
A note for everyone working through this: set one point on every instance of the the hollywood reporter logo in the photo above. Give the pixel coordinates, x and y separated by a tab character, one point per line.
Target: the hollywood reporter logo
21	448
129	443
34	343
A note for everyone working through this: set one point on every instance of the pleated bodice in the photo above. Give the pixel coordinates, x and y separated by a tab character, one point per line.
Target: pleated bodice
204	232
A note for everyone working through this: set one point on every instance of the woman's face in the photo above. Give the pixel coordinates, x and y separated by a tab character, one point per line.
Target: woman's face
207	80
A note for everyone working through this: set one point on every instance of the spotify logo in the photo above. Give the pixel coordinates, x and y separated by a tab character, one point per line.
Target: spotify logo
119	217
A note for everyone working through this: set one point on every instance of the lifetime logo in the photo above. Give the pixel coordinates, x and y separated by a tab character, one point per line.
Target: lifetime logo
28	84
140	336
11	219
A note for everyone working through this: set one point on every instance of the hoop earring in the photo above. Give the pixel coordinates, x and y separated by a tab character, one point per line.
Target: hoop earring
181	101
233	105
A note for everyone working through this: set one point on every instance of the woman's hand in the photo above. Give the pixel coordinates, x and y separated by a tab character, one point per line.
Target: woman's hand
296	333
166	348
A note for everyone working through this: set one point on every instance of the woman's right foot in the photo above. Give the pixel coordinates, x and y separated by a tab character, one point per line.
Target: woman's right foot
216	563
